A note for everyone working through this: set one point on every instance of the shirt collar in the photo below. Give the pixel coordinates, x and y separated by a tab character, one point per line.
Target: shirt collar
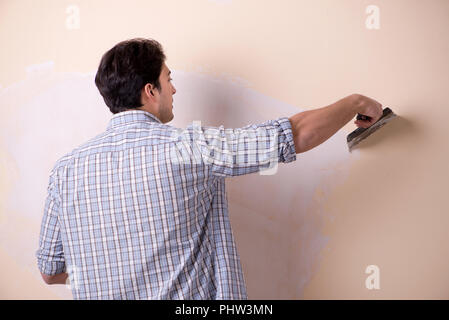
131	116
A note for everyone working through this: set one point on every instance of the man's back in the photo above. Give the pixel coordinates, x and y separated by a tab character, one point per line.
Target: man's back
133	214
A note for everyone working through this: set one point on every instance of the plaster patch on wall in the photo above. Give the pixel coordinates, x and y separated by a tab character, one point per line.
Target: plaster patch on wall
49	114
40	69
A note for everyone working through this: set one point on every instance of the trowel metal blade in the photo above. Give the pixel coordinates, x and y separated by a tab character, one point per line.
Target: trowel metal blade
359	134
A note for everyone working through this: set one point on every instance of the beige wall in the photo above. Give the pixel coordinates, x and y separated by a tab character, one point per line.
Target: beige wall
310	230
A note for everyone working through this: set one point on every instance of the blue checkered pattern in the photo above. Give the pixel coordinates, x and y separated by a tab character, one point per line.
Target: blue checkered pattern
140	211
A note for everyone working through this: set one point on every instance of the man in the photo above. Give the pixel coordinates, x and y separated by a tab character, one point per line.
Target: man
140	211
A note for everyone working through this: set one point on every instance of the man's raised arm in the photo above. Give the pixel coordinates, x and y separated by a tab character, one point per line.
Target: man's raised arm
313	127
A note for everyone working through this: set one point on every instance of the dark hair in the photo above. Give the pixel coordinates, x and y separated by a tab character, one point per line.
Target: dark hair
125	69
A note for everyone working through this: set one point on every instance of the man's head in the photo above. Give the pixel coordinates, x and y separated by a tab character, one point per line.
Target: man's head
133	75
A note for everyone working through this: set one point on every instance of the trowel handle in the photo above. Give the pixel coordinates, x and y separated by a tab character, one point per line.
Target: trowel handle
363	117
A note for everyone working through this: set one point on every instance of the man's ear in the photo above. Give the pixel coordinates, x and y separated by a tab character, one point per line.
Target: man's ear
148	88
151	88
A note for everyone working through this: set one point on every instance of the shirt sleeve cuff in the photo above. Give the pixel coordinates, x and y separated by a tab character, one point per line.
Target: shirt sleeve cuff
287	150
51	268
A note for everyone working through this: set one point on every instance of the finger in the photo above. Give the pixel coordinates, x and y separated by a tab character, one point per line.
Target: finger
361	124
357	123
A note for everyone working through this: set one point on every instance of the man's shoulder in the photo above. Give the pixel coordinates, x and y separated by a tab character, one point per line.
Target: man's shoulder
68	158
162	133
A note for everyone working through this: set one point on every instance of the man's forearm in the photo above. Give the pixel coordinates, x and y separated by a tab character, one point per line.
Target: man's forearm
313	127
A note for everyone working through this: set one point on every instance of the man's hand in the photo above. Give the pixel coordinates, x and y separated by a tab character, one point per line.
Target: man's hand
367	107
59	278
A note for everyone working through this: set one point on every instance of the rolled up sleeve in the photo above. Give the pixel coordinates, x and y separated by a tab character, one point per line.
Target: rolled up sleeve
50	254
234	152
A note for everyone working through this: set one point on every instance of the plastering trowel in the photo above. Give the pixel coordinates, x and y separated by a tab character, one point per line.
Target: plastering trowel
360	134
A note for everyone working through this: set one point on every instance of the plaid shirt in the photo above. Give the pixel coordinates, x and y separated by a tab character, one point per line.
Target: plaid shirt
140	211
